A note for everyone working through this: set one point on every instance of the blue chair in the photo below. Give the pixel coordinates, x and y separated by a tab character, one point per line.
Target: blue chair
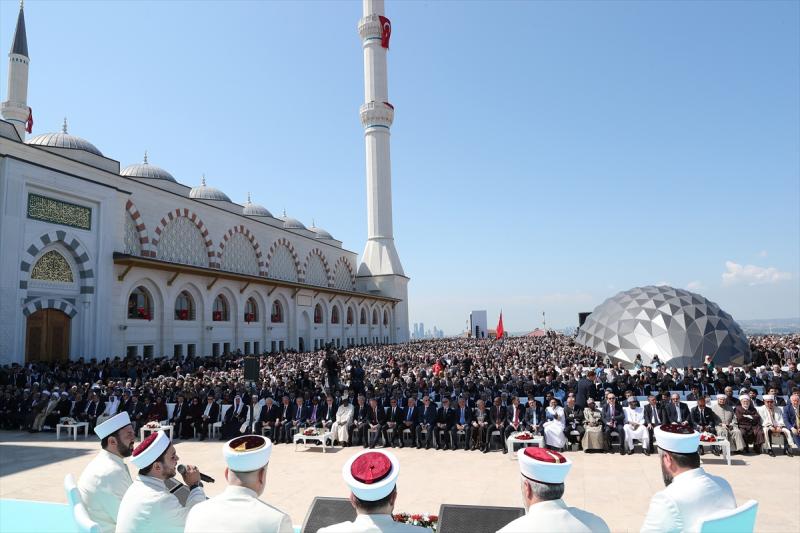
83	523
739	520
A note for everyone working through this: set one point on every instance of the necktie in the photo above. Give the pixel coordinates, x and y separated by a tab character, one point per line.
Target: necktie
702	418
462	416
314	413
516	416
678	410
375	416
655	416
410	412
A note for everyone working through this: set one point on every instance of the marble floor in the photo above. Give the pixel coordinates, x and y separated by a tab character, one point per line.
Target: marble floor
618	488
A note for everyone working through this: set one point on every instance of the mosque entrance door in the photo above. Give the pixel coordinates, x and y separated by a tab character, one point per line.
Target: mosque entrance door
303	342
47	336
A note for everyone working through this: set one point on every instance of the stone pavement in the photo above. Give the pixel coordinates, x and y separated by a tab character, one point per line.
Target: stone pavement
618	488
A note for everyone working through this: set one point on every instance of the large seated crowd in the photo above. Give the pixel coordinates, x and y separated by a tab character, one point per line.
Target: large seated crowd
446	393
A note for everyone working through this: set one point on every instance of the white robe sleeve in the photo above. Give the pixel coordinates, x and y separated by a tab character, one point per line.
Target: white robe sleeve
663	516
172	514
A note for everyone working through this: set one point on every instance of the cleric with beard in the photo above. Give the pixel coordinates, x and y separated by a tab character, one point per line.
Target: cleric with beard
106	478
691	495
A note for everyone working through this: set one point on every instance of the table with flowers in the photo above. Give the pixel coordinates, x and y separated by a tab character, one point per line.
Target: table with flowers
151	427
526	438
708	440
313	437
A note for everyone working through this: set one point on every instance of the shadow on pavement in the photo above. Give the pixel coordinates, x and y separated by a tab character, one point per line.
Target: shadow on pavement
17	458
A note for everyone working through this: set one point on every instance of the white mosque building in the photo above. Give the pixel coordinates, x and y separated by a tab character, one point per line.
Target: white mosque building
101	260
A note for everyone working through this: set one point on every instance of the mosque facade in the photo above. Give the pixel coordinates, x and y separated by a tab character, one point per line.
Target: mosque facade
102	260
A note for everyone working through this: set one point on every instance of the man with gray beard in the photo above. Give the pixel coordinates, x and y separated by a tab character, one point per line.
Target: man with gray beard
725	423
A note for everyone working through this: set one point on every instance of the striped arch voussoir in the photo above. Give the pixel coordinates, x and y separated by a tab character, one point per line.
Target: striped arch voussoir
197	221
274	247
318	253
144	240
349	267
75	248
49	303
262	271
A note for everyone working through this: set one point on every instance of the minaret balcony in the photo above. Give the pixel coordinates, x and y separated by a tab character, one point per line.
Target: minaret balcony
376	114
369	28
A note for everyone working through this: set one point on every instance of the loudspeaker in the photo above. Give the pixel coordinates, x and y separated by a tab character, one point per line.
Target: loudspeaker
325	512
582	318
250	369
475	518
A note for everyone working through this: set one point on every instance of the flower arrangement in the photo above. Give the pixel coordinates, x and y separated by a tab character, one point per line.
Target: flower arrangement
708	437
67	420
421	520
677	428
523	436
310	432
154	424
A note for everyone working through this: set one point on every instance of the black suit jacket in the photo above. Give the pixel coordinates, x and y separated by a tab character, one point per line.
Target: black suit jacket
180	412
672	413
360	412
618	417
271	414
702	418
415	415
573	416
396	416
457	415
648	414
427	417
497	414
303	410
377	414
585	390
213	413
445	416
328	414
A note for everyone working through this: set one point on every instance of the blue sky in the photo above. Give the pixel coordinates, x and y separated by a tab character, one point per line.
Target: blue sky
544	155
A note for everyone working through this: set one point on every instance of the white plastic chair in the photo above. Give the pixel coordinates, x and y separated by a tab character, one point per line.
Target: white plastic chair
71	490
739	520
217	426
82	520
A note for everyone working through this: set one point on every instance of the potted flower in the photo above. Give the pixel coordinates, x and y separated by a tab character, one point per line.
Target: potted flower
420	520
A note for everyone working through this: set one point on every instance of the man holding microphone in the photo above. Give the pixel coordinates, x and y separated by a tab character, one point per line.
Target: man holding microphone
148	505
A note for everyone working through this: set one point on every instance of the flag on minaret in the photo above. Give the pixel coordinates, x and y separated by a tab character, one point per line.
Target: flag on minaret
29	122
386	31
500	330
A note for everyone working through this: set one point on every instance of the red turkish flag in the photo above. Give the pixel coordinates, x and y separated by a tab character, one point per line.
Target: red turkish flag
386	31
500	330
29	122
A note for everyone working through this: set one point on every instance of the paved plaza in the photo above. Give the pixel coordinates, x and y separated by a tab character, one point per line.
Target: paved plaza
618	488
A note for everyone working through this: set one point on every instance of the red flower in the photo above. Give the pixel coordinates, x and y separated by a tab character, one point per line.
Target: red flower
416	517
433	518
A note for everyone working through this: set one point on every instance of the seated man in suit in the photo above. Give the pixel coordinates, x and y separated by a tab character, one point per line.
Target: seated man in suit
573	421
328	416
535	417
410	415
515	420
444	423
268	419
284	421
375	427
359	422
210	416
297	422
774	426
653	417
703	421
791	417
179	417
613	420
677	412
463	422
497	421
427	422
394	421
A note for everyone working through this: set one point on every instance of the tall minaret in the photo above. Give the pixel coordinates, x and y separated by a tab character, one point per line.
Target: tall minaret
15	108
380	269
377	114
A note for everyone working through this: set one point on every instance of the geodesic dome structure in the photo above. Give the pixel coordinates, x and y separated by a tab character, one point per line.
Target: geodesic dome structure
679	326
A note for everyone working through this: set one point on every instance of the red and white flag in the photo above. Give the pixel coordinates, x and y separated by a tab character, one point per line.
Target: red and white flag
386	31
500	329
29	122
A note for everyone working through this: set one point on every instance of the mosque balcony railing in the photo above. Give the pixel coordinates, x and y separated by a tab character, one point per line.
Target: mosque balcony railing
134	261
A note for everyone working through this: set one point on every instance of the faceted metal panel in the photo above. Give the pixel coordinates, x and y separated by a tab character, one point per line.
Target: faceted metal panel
679	326
282	265
316	274
133	244
240	256
182	242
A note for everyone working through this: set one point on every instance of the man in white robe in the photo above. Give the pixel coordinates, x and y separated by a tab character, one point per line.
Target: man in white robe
106	478
344	417
111	409
553	429
635	427
148	506
238	508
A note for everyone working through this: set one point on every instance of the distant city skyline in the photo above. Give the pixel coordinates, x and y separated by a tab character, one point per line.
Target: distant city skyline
538	170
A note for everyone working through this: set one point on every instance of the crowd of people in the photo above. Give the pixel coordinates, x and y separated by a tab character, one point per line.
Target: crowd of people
443	394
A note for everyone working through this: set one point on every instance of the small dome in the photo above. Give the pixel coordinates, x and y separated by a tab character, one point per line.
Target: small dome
321	233
204	192
254	210
291	223
146	170
64	140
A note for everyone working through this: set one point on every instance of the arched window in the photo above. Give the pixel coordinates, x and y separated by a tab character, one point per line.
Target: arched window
386	318
374	317
335	315
220	311
250	310
140	305
363	318
277	313
349	316
317	314
184	306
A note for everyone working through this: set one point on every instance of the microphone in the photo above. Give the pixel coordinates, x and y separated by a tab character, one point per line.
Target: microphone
203	477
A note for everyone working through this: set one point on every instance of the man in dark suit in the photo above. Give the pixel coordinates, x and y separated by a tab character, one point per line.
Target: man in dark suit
360	412
613	420
328	415
410	422
444	423
376	425
94	408
676	411
534	416
463	422
394	421
653	417
284	420
497	420
702	419
427	422
268	419
515	419
297	421
178	417
573	421
210	416
585	389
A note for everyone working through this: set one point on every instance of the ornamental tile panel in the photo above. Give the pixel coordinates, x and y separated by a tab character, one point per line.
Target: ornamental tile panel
59	212
133	243
52	267
181	242
282	265
239	255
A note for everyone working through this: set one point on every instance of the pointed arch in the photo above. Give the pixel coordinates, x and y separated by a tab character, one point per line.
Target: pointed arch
74	248
313	276
140	228
194	219
229	236
276	268
344	276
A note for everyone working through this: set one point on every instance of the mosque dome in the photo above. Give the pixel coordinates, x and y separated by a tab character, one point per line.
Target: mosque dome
64	140
254	210
291	223
320	233
678	326
146	170
204	192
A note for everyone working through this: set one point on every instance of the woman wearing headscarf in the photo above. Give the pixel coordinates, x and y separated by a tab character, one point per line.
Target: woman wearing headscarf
593	422
749	423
